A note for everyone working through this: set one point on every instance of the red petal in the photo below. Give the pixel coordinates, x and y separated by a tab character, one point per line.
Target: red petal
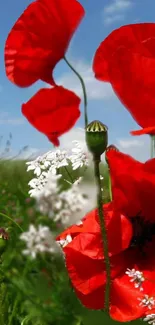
125	178
149	130
52	111
140	38
88	274
133	79
92	242
39	40
126	59
133	185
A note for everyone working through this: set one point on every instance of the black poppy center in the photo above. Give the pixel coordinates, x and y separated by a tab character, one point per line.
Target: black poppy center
143	231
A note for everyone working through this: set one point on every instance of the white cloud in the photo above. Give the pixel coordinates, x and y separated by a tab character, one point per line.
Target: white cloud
116	11
74	134
95	89
127	143
138	148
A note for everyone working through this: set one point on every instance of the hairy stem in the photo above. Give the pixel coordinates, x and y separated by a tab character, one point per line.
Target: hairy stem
83	88
109	184
152	146
103	233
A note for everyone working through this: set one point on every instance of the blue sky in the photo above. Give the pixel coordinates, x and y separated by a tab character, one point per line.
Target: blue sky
101	18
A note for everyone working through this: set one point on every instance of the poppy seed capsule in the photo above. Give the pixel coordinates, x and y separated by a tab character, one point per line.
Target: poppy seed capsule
97	138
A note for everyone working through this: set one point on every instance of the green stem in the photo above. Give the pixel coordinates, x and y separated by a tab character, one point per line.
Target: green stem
152	146
109	184
83	88
7	217
103	233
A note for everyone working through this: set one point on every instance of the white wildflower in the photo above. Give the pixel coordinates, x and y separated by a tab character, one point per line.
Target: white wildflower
137	277
150	319
147	301
39	164
66	241
47	198
80	155
38	241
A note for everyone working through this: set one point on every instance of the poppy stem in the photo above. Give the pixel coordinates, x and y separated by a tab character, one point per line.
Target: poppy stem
103	233
109	184
83	88
152	146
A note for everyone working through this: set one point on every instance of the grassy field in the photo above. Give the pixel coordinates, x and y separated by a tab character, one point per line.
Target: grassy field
34	292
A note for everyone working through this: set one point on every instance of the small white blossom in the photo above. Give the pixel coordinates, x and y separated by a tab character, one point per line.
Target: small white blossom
80	156
57	159
38	241
147	301
39	164
137	277
65	242
101	177
150	319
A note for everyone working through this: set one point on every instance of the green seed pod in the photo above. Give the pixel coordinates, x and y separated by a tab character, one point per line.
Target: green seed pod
97	138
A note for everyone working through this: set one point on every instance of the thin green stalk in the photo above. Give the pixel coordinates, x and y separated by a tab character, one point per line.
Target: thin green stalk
109	184
7	217
104	234
152	146
83	88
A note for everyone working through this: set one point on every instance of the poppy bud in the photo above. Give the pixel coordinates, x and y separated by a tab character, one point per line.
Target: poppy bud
109	148
97	138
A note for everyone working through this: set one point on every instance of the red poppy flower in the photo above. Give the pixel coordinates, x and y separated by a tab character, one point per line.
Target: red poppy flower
52	111
126	59
131	251
133	185
39	40
84	258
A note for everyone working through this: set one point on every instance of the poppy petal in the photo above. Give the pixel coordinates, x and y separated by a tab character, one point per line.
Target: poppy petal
39	40
52	111
126	59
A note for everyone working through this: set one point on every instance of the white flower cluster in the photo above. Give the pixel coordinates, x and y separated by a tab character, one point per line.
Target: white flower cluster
138	278
150	319
53	160
80	156
147	301
61	206
38	241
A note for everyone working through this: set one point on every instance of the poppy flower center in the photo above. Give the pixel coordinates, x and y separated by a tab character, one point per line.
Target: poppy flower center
143	231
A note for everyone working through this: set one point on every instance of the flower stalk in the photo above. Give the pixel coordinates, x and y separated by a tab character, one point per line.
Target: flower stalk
103	233
97	139
152	146
83	88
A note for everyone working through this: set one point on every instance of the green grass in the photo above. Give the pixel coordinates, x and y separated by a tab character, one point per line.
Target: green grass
28	295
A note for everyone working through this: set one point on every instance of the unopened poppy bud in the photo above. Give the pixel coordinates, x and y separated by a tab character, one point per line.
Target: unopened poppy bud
110	148
97	138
